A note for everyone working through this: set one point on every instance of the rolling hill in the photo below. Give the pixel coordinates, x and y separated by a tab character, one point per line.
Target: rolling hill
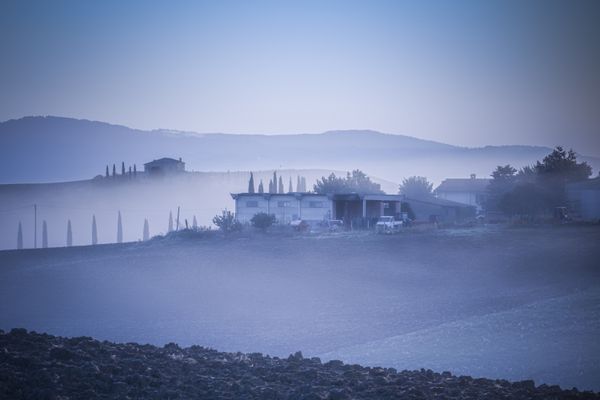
50	149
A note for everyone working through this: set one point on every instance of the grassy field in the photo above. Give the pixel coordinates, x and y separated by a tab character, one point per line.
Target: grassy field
497	302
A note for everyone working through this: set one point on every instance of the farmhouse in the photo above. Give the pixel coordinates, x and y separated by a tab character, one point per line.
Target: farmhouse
164	166
471	191
315	207
584	198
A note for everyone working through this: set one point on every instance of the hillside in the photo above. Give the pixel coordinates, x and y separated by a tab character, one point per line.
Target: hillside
198	194
49	149
485	302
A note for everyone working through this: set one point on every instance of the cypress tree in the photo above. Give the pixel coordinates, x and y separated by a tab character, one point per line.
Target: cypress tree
298	187
251	183
134	170
280	189
129	173
170	221
107	170
69	234
274	182
290	188
20	237
304	184
122	167
146	230
94	231
45	234
270	186
261	188
119	229
114	170
195	224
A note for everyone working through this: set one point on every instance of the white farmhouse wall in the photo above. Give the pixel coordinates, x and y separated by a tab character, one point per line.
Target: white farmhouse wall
285	207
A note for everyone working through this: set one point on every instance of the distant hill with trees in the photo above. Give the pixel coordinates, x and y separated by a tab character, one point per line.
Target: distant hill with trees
50	149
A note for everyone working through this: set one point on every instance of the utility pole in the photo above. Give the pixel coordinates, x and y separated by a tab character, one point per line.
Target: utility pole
177	224
35	226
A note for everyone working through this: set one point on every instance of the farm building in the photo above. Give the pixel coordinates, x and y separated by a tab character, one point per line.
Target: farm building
314	207
584	199
471	191
164	166
440	210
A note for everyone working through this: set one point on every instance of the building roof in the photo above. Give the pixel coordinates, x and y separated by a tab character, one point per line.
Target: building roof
588	184
163	161
436	201
332	196
472	185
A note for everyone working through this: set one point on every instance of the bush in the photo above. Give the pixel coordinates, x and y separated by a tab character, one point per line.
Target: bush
227	222
262	220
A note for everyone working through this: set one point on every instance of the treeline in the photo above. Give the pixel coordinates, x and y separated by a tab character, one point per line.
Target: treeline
276	185
538	189
94	230
130	172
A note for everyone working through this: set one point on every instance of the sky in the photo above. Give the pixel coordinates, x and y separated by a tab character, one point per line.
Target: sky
468	73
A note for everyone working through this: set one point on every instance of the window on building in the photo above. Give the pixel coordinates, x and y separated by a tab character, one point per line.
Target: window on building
316	204
282	204
252	204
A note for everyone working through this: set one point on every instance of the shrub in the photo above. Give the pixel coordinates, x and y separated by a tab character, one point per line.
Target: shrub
262	220
227	222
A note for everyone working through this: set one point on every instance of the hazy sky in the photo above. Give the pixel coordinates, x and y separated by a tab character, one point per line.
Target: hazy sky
461	72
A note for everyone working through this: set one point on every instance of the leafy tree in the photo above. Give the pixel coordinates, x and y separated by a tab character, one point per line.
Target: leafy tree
94	231
20	237
119	229
262	220
556	170
416	187
527	199
357	182
251	183
69	234
146	234
503	181
227	222
44	235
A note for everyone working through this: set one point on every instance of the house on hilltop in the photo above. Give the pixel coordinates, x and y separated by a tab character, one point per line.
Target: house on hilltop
471	191
164	166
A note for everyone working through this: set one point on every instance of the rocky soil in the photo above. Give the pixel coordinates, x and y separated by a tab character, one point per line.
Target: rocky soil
41	366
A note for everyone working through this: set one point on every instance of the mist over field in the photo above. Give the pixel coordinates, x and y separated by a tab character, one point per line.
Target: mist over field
513	304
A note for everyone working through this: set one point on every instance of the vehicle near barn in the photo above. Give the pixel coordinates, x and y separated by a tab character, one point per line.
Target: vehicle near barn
388	224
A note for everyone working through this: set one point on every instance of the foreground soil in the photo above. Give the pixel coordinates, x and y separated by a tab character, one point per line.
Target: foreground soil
41	366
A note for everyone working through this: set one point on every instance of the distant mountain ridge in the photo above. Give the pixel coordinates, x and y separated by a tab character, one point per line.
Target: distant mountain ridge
46	149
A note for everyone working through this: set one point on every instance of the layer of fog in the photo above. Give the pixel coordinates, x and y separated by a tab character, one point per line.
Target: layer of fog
505	303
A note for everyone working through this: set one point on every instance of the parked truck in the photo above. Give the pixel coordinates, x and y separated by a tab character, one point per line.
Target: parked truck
388	224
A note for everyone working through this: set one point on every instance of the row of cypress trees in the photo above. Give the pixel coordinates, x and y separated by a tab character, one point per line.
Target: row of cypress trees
276	185
131	171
